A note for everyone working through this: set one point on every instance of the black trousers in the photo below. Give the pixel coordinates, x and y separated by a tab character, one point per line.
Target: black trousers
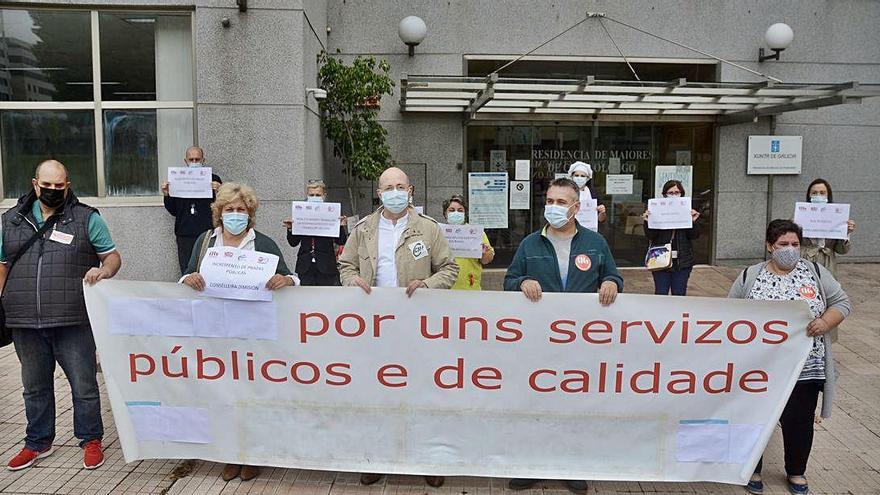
797	427
313	277
185	245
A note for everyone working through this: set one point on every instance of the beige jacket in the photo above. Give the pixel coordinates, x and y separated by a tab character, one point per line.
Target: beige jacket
438	269
827	255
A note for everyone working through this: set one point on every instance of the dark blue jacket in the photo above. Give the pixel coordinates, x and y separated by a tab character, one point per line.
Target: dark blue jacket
536	259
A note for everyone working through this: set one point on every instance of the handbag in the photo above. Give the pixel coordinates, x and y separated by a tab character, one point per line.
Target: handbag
659	257
6	333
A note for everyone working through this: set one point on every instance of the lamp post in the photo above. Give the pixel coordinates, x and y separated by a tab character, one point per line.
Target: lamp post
778	37
412	31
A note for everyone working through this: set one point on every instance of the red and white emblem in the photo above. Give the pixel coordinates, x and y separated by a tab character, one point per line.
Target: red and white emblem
583	262
807	292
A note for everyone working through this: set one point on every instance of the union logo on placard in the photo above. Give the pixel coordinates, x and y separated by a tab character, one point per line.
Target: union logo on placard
583	262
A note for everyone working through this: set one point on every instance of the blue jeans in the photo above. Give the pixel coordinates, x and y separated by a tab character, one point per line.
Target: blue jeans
74	349
666	280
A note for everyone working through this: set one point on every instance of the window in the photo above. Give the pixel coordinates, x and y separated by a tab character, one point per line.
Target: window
116	108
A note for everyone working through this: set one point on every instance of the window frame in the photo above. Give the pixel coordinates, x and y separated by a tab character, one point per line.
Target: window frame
98	105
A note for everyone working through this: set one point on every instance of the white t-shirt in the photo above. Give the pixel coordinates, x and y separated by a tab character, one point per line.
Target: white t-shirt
389	238
562	246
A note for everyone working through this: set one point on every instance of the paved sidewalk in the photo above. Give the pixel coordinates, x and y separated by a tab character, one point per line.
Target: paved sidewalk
845	458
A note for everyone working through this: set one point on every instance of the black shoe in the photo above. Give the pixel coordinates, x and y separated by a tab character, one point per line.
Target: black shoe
370	478
578	487
521	483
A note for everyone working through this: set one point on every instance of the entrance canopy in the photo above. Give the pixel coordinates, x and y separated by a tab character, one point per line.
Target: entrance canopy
501	98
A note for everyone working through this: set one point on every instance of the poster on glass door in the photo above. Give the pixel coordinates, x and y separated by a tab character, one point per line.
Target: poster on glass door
487	196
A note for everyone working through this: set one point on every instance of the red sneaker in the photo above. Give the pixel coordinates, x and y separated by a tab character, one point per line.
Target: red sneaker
93	456
26	458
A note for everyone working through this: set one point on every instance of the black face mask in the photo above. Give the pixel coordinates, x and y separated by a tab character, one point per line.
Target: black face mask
52	198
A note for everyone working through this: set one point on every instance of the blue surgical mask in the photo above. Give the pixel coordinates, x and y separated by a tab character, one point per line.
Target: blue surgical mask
556	215
580	181
315	199
234	222
455	217
194	164
818	198
395	200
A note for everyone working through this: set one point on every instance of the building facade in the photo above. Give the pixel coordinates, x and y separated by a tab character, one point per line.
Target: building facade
118	89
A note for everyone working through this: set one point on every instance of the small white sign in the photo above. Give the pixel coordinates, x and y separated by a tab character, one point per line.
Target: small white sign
614	165
561	175
618	184
233	273
587	216
822	221
520	195
190	182
666	173
465	241
522	170
772	155
316	219
670	213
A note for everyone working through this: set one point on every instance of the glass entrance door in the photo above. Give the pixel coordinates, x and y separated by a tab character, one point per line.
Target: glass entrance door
636	149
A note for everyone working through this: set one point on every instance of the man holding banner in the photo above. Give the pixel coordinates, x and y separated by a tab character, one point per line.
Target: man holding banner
397	247
51	244
563	257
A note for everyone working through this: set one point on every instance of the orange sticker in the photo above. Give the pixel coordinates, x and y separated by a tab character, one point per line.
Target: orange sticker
583	262
808	292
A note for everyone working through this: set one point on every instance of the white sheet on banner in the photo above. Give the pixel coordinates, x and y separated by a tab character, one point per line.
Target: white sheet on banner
465	241
171	424
822	221
587	215
190	182
670	213
206	317
234	273
538	373
315	219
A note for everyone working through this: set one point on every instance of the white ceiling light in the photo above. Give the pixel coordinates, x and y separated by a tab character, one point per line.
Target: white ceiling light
412	31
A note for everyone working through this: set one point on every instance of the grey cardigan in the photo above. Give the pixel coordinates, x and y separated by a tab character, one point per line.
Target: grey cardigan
834	297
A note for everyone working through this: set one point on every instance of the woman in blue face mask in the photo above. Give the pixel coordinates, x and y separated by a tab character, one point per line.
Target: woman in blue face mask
788	277
234	212
825	251
470	270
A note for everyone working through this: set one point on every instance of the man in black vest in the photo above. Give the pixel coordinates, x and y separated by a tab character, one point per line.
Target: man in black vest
192	216
44	307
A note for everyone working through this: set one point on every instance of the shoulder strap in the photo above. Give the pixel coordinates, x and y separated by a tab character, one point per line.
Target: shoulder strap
744	275
818	272
48	224
206	242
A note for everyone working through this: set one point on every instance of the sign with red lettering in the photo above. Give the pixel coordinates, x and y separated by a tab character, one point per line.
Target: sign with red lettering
650	388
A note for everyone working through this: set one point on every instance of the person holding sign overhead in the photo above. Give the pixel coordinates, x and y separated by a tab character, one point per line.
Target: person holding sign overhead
673	278
789	277
192	216
233	214
825	251
582	175
397	247
316	259
470	270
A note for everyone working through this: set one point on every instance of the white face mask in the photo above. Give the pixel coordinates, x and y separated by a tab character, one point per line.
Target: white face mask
455	217
315	199
580	181
818	198
194	164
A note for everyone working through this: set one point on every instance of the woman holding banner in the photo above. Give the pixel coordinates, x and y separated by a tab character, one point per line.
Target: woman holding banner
470	270
675	278
789	277
825	251
233	214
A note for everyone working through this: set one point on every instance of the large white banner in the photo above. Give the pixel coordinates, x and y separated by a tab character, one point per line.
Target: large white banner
451	383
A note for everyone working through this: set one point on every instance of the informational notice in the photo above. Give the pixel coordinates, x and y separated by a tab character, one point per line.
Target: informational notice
234	273
487	195
587	215
520	195
619	184
523	170
316	219
498	160
822	221
650	388
665	173
772	155
190	182
465	241
670	213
